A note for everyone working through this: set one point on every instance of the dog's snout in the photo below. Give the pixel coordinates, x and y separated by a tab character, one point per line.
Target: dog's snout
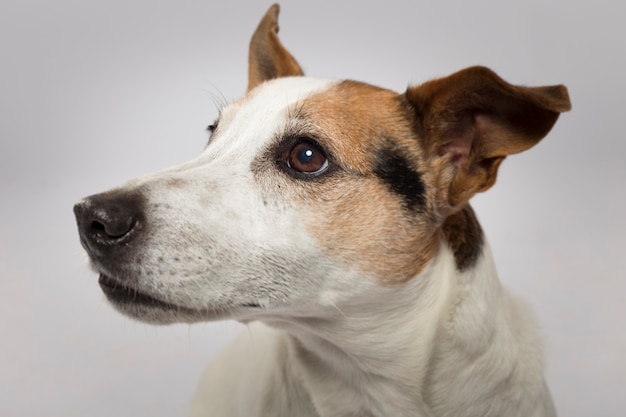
108	220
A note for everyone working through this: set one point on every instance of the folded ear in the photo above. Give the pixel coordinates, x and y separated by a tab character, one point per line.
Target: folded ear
473	119
268	57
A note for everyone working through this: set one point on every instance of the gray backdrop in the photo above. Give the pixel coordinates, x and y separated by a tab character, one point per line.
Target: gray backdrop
94	92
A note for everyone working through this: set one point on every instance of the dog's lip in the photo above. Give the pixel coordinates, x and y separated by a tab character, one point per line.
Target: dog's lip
119	293
123	294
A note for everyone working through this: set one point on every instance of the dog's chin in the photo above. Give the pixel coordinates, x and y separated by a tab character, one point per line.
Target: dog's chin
147	308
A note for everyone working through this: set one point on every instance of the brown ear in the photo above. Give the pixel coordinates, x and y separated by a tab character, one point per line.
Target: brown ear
268	57
474	119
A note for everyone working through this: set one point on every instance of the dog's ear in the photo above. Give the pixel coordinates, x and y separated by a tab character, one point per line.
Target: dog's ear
472	120
268	57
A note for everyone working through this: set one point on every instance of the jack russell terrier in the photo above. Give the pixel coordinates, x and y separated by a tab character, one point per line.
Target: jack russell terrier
333	217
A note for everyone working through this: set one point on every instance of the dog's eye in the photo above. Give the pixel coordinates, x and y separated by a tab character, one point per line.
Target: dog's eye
211	129
307	157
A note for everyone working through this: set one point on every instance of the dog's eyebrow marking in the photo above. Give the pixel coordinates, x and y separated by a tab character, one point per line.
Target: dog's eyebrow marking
396	171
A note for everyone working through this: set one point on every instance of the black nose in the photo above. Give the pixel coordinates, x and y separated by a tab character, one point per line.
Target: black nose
107	221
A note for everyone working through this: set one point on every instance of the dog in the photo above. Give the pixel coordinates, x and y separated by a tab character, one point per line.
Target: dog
333	218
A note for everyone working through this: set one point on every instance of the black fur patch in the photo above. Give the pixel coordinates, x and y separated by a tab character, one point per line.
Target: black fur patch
396	171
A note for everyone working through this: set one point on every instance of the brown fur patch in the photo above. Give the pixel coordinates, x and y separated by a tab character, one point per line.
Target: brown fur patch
352	213
356	221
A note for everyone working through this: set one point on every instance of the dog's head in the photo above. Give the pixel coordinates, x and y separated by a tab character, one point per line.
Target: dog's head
310	192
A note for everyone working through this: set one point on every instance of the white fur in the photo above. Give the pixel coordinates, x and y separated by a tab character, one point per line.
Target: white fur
412	350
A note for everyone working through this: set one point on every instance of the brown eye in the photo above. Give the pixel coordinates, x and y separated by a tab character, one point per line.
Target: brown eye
307	157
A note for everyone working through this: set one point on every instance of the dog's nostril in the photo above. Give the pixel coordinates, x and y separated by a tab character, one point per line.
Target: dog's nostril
97	226
113	228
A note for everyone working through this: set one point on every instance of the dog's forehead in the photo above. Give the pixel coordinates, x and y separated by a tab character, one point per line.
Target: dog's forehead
353	120
359	122
274	96
264	111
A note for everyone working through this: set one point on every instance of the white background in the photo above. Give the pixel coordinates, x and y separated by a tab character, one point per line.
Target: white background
95	92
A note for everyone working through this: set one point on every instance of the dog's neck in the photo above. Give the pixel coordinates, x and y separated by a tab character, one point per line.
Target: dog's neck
381	356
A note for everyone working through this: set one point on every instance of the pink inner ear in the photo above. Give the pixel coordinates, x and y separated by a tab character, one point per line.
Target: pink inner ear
459	143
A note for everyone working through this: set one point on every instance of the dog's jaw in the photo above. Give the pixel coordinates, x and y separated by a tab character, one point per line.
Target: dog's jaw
152	309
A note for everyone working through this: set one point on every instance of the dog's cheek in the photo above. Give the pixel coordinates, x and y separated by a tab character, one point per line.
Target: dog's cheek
363	226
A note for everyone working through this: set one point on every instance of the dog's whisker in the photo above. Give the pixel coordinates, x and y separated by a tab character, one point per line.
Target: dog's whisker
219	99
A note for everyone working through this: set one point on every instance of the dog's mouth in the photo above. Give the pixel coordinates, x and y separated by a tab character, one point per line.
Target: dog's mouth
119	293
136	302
